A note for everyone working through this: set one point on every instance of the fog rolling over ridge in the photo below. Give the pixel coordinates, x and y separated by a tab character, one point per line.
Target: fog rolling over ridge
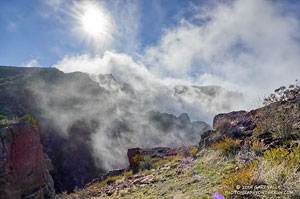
88	121
92	79
124	115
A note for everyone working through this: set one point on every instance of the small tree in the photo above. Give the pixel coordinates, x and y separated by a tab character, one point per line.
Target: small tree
283	94
280	120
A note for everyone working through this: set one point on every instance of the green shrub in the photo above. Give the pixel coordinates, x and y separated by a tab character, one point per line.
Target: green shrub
283	94
2	117
227	146
146	164
193	152
279	168
128	174
279	156
30	119
111	180
200	168
138	158
257	147
242	177
158	162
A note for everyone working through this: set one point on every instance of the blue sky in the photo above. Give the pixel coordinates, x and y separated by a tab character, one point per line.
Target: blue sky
32	29
237	44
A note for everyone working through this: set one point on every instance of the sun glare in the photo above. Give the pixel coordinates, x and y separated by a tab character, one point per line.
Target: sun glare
95	21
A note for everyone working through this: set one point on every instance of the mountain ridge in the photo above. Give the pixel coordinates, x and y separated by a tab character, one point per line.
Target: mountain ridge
242	155
63	105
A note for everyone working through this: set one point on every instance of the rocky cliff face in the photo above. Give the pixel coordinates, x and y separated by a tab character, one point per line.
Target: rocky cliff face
24	168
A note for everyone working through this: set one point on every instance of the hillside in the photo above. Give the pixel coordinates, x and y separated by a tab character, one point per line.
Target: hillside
105	141
87	123
252	154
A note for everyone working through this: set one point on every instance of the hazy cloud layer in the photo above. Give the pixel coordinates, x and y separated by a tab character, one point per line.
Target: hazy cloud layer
130	94
240	45
157	92
250	46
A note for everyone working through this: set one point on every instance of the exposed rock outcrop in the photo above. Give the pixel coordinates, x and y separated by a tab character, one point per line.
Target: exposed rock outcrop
157	152
24	168
236	124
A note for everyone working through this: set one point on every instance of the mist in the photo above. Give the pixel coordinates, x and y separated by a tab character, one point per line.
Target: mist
222	58
130	110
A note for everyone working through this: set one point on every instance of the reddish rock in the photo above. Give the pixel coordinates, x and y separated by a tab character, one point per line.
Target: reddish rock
220	118
236	125
131	153
24	168
159	152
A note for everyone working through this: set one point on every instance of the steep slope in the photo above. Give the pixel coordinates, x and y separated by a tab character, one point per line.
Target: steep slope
252	154
87	126
18	97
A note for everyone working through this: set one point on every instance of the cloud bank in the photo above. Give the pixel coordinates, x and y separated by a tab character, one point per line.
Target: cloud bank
239	45
249	46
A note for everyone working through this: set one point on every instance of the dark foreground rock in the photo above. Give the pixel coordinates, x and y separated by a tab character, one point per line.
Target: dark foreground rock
24	168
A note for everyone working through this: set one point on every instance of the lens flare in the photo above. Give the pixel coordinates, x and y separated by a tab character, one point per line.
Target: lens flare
94	21
95	25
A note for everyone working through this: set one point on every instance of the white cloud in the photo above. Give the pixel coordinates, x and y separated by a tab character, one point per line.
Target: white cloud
249	46
32	63
144	92
126	14
120	65
246	43
54	4
157	93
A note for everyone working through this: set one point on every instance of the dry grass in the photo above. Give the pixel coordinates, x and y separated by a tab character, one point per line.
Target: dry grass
128	174
227	146
243	177
193	152
257	147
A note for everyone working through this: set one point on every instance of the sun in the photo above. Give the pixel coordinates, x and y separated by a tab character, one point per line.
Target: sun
94	24
94	20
